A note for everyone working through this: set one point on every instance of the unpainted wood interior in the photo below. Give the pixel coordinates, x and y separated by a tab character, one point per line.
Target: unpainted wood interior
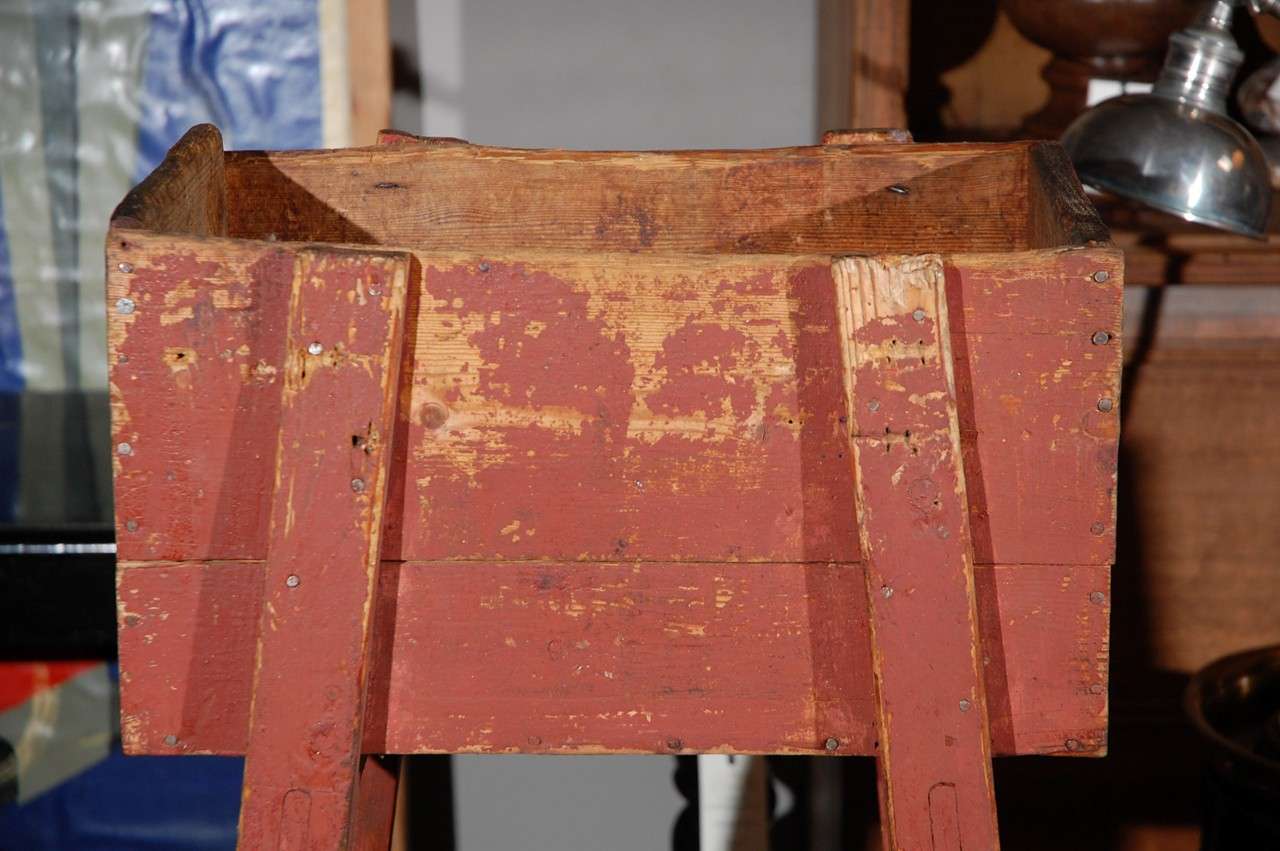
831	199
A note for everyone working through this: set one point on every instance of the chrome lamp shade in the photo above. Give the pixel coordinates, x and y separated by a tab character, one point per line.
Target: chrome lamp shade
1176	149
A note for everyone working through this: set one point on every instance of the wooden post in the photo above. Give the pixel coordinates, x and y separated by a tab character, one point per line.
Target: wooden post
879	53
934	748
341	379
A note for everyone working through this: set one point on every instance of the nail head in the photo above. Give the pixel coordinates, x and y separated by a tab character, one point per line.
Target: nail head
1074	745
357	485
832	743
124	305
917	315
1105	405
675	744
1101	338
315	348
1098	528
131	525
1097	597
965	705
886	591
124	449
125	267
1102	276
170	740
292	580
873	405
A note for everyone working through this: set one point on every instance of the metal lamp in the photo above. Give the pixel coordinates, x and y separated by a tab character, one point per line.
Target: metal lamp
1176	149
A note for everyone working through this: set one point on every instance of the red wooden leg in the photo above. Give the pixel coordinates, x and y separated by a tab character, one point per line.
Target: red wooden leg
934	754
340	383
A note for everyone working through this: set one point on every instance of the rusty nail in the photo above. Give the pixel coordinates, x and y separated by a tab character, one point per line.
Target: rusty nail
1102	276
899	189
1097	597
132	525
886	591
315	348
124	305
832	743
170	740
675	744
1101	338
1098	528
1074	745
292	580
484	267
965	705
1105	405
873	405
357	485
124	449
918	314
125	267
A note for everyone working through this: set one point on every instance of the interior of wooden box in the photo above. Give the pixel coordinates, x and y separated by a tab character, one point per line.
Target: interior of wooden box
837	199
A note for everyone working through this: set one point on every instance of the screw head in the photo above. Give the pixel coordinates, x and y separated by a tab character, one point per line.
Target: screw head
124	449
1101	338
125	267
357	485
124	305
918	314
832	743
1097	597
292	580
965	705
1105	405
315	348
1102	276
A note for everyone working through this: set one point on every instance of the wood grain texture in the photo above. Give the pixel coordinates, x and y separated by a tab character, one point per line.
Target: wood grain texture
881	47
543	657
369	65
186	193
794	200
339	386
570	408
934	747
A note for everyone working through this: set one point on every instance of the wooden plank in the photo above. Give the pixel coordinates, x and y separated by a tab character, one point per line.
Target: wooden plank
369	64
881	43
934	746
339	388
696	405
541	657
832	199
186	193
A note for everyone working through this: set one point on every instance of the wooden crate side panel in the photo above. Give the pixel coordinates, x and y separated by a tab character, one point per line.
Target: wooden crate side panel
196	345
569	658
455	197
611	407
1037	354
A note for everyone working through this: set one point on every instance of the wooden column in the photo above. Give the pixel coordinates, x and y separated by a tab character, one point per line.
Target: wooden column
879	54
341	379
934	748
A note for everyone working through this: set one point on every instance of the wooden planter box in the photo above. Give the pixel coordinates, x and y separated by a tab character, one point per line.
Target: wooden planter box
620	514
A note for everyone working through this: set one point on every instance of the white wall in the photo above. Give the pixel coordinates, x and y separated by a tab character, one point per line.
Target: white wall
620	74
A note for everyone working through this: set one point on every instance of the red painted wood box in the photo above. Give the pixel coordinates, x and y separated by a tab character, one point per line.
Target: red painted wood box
619	511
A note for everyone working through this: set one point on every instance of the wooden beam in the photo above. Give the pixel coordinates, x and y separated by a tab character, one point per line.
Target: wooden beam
344	342
934	745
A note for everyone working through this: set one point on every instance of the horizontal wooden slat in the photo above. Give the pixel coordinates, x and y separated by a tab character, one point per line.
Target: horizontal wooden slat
892	197
608	657
665	408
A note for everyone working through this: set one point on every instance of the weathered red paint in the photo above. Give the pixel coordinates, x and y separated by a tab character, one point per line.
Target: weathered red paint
484	657
934	747
339	388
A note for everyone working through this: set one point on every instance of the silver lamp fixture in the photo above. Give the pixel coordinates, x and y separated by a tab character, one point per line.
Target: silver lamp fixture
1176	149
